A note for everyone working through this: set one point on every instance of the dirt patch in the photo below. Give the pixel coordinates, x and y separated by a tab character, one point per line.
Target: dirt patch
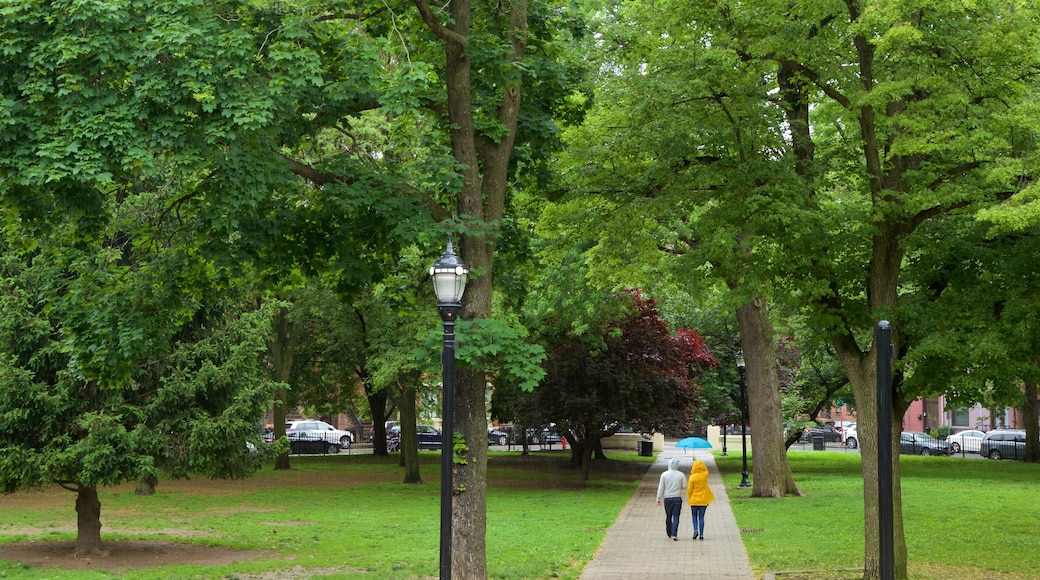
121	555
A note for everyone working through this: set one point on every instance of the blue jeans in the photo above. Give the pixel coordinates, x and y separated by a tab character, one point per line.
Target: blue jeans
698	518
672	511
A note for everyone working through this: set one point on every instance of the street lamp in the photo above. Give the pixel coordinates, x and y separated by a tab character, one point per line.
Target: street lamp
724	439
449	282
741	367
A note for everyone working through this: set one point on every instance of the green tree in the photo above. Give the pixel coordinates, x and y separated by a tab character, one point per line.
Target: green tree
809	144
882	123
193	409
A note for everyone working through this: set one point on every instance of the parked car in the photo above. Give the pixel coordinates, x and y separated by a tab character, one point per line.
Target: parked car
968	441
546	436
851	436
917	443
843	425
321	430
496	437
427	436
303	442
828	432
1004	444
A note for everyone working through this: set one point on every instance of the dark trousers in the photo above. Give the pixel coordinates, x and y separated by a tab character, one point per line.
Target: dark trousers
672	511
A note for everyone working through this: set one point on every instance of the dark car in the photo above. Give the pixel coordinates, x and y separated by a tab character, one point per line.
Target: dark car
428	437
828	432
1004	444
916	443
496	437
547	436
307	442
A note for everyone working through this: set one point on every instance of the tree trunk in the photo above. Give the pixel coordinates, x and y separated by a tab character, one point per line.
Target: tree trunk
409	441
862	373
281	395
484	168
469	517
281	349
861	368
586	458
88	521
377	405
146	485
1031	423
772	475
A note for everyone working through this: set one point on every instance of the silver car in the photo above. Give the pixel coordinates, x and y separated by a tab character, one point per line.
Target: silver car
315	429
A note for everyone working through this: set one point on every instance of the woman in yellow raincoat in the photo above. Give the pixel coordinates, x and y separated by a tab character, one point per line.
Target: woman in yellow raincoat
699	496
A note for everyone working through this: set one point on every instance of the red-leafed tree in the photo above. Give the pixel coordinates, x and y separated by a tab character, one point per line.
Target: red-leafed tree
633	372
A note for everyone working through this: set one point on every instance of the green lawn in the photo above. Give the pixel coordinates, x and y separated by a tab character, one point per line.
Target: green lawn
964	518
350	517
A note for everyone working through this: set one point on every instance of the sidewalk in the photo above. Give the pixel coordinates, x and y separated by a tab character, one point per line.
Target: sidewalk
636	545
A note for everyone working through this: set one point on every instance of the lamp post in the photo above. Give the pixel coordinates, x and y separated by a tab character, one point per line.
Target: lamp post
449	282
724	440
743	417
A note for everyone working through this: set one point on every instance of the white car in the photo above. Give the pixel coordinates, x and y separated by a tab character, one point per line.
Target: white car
850	436
320	430
968	441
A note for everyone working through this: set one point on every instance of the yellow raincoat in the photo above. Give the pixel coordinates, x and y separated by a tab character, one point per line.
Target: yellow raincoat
697	490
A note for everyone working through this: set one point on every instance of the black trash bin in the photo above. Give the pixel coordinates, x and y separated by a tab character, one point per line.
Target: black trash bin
646	448
817	443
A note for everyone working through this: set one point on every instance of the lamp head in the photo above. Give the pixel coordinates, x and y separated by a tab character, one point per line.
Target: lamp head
449	276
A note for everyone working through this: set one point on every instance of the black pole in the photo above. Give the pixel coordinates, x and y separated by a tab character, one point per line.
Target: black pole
883	344
724	440
448	313
743	429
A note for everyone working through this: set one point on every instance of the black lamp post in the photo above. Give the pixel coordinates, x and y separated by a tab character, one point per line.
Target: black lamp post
449	282
743	417
724	440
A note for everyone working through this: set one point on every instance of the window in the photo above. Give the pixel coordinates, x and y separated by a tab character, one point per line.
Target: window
959	417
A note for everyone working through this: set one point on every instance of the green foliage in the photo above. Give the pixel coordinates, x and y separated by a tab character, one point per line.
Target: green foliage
190	412
459	449
501	346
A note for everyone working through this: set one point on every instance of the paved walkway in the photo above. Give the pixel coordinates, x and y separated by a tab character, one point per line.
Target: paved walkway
636	545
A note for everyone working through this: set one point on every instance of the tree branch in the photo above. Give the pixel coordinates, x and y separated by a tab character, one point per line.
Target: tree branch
318	178
439	30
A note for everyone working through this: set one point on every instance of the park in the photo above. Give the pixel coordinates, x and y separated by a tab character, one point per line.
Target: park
656	216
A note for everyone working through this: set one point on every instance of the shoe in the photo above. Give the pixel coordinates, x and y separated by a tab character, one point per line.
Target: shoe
675	539
695	534
702	537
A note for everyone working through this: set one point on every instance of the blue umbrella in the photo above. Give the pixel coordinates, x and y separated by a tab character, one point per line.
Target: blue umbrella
693	443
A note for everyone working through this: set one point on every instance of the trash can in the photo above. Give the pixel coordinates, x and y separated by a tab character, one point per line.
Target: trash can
646	448
817	443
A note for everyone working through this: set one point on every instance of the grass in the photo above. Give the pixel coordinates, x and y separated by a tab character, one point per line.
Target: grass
349	516
963	518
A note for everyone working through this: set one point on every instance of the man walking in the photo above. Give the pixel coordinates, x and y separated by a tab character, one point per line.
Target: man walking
671	490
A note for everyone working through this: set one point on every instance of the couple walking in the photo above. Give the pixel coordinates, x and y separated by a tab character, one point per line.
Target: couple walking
698	494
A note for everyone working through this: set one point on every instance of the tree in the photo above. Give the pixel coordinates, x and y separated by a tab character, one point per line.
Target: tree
192	410
883	106
124	137
665	163
499	43
630	372
822	137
